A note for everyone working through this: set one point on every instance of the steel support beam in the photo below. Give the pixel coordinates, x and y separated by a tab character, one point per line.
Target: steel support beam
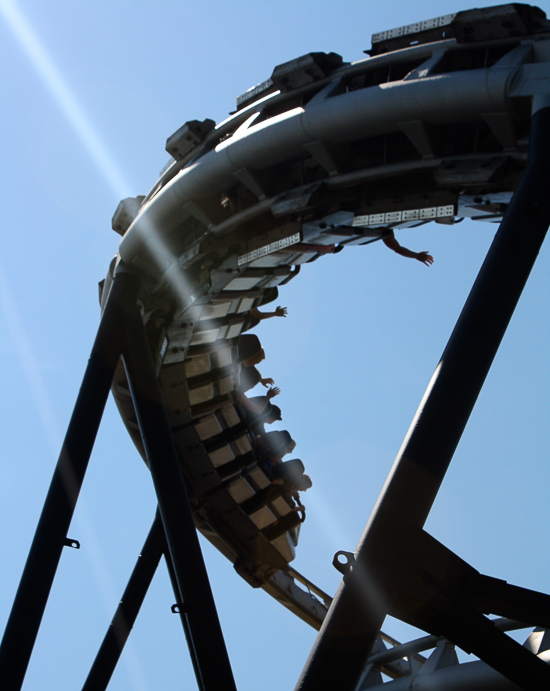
126	613
130	604
207	643
178	608
466	676
45	552
382	580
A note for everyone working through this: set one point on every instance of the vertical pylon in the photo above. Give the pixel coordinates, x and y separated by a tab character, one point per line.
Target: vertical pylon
396	581
51	532
204	634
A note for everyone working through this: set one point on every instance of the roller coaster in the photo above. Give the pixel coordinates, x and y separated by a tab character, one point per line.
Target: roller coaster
445	119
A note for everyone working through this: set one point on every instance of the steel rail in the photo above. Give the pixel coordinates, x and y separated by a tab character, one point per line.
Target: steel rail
338	118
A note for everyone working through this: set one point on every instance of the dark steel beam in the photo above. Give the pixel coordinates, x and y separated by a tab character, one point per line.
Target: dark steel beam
126	613
363	600
181	535
179	609
51	532
476	634
510	601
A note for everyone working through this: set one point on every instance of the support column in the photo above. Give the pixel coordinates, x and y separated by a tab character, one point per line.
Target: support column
51	532
126	613
179	609
364	598
181	535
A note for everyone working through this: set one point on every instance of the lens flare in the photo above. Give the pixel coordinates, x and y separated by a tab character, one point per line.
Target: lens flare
85	131
61	93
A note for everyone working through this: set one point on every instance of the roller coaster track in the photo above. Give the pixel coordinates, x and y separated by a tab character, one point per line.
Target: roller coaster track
434	126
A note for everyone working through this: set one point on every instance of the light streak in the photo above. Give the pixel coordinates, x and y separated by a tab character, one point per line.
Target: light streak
83	128
60	91
114	178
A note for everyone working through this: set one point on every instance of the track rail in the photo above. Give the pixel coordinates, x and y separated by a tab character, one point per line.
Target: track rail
433	127
322	155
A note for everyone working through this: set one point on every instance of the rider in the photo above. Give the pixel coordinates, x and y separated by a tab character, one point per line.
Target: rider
391	242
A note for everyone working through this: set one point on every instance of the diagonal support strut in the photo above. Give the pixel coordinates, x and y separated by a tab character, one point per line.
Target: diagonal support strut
364	598
204	633
121	332
49	540
126	613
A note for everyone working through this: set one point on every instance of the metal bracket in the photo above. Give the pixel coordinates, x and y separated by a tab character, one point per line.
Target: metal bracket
69	542
343	561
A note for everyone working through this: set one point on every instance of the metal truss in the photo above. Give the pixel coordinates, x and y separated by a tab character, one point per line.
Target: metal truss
336	191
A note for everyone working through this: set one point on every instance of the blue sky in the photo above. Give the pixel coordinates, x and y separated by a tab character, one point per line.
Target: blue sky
89	94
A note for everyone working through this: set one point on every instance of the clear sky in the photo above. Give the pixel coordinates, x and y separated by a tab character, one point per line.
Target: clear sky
89	93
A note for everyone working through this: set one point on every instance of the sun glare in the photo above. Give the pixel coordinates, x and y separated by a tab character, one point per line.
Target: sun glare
59	90
116	181
81	125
